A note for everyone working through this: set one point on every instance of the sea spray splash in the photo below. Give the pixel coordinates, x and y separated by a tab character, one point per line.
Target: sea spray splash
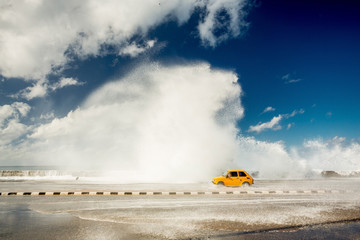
164	123
170	124
270	159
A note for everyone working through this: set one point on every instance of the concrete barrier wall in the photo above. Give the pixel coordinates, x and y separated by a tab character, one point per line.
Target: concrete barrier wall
130	193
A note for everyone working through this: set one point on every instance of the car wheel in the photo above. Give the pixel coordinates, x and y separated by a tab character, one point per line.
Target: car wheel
221	183
245	184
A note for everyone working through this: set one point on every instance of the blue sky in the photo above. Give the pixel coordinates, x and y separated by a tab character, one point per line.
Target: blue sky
297	59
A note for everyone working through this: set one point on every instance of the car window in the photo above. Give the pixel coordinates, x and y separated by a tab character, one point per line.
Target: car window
242	174
233	174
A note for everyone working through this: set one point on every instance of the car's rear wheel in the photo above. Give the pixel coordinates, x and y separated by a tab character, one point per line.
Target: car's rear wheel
245	184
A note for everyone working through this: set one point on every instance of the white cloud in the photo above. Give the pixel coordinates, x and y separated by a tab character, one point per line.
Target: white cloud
64	82
269	109
38	89
10	126
5	112
274	124
42	88
135	49
294	113
294	80
47	116
285	77
288	79
15	111
290	125
214	21
40	37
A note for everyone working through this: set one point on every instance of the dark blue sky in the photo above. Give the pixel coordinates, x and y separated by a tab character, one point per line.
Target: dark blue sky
315	42
311	41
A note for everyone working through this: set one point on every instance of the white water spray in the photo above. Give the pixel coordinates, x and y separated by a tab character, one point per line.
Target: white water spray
172	124
160	123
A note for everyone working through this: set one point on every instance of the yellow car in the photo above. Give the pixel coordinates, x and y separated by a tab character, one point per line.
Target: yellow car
234	178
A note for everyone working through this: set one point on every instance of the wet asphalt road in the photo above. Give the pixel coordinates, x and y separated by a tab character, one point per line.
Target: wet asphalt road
251	216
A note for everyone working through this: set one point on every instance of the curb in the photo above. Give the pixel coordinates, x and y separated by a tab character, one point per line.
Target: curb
144	193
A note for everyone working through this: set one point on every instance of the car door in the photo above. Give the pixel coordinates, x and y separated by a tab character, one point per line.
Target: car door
243	177
232	179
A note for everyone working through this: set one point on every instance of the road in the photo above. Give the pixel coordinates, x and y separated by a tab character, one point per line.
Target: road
298	213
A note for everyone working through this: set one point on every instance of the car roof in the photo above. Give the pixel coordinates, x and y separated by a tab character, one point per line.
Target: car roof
235	170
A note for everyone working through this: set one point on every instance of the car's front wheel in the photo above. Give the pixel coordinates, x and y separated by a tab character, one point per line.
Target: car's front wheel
221	183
